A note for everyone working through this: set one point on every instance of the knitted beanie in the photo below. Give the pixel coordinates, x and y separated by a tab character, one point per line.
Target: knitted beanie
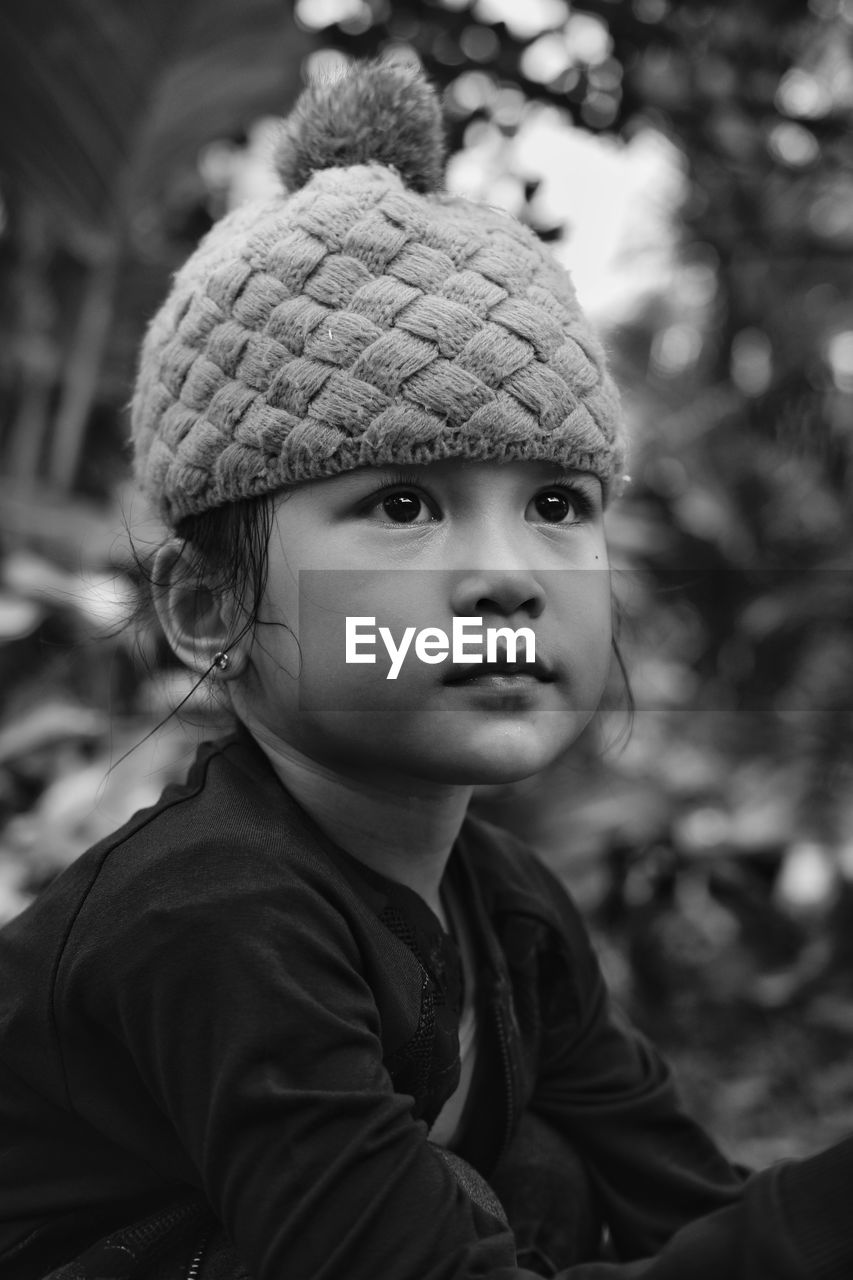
365	318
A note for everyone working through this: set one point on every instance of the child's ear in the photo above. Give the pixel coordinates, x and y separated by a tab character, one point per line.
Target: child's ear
198	621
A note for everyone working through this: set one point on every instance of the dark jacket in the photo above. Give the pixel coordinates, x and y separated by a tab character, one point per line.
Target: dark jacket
217	998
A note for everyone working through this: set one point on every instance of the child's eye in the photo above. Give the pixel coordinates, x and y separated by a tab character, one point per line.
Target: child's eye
561	505
404	507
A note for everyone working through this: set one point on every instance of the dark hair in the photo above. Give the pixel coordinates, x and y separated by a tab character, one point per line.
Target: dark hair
618	694
630	705
228	548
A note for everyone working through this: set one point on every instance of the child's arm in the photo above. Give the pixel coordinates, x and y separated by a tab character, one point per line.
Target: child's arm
608	1091
666	1189
793	1223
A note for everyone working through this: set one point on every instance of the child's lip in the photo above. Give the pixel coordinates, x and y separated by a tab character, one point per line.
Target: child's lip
537	670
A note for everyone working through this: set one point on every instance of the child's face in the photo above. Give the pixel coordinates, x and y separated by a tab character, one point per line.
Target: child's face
517	544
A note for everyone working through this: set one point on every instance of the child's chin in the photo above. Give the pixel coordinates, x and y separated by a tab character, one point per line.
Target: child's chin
505	771
513	752
496	766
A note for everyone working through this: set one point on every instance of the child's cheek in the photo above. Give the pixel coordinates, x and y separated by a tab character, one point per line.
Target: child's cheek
584	609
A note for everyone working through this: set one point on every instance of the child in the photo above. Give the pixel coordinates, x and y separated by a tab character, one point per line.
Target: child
302	1004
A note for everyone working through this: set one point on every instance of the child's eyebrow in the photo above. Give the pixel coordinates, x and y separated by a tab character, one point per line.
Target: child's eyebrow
572	475
388	473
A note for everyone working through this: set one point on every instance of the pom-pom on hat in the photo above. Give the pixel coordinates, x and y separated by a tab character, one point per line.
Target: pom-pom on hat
365	318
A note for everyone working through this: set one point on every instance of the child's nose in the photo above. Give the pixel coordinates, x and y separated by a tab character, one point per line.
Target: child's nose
481	592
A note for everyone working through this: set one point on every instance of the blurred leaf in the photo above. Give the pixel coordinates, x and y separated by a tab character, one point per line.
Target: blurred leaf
808	879
102	600
71	531
102	102
13	897
18	618
47	725
88	798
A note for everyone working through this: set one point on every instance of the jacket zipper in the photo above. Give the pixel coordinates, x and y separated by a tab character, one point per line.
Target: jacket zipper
498	1007
198	1257
500	1000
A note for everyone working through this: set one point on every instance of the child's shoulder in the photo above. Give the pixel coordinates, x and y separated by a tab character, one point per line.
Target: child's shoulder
228	835
229	818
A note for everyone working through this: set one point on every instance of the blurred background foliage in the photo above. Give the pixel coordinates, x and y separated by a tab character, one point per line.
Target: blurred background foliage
693	164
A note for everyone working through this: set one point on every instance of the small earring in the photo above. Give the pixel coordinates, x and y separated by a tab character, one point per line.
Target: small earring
222	660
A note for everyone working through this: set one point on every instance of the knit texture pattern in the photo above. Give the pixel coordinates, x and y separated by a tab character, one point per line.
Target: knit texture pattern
359	323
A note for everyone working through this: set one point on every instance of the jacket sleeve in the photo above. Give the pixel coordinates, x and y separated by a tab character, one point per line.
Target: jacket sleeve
792	1223
608	1090
251	1025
